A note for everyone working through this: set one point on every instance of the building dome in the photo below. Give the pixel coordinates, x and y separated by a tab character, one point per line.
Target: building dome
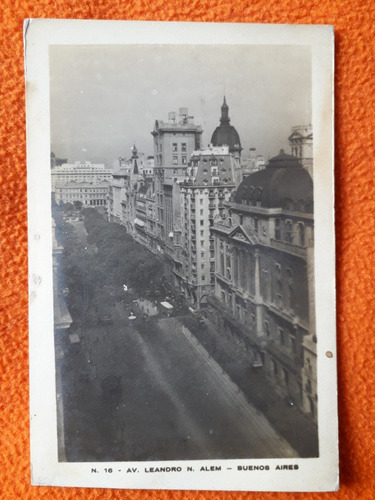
283	184
225	134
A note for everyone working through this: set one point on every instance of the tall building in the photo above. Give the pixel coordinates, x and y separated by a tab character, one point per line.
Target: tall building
209	182
174	142
264	286
225	134
301	145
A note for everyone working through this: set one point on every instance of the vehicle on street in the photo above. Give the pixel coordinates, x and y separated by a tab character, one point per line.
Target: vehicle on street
166	308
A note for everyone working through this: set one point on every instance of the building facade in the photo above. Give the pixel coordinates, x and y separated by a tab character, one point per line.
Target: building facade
264	287
91	173
89	194
128	176
301	145
209	182
174	142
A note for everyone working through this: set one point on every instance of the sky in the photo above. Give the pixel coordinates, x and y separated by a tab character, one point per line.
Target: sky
104	99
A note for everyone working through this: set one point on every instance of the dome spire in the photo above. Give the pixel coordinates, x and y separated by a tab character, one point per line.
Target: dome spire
225	134
224	112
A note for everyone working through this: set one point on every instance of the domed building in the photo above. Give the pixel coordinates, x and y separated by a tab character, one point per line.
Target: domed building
284	183
264	288
225	134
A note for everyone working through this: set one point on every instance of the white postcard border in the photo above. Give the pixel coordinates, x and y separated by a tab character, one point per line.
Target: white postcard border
315	474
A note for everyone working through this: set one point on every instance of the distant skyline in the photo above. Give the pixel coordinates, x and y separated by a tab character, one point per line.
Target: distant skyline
106	98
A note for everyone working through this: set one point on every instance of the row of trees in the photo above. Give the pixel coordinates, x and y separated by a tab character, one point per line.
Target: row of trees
123	260
95	270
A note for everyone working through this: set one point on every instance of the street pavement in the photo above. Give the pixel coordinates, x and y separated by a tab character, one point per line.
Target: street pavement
149	391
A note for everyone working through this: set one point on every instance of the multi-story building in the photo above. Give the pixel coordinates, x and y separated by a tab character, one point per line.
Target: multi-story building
174	142
254	163
151	219
140	221
88	172
89	194
264	287
301	144
209	182
121	172
128	176
147	167
133	181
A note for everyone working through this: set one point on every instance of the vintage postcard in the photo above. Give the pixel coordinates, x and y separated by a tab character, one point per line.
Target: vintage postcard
181	255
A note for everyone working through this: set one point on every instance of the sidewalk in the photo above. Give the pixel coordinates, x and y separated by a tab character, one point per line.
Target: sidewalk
287	420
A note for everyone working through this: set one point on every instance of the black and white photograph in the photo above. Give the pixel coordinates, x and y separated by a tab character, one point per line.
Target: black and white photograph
185	188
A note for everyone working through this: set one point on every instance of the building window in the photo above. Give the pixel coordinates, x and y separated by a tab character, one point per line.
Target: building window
203	277
293	345
281	337
202	222
222	263
202	232
301	234
285	375
277	229
267	328
273	368
201	212
279	293
288	231
201	201
291	298
202	243
174	147
175	159
184	160
238	311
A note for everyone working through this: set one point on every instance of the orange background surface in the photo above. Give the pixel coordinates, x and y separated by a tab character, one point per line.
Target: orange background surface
354	23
